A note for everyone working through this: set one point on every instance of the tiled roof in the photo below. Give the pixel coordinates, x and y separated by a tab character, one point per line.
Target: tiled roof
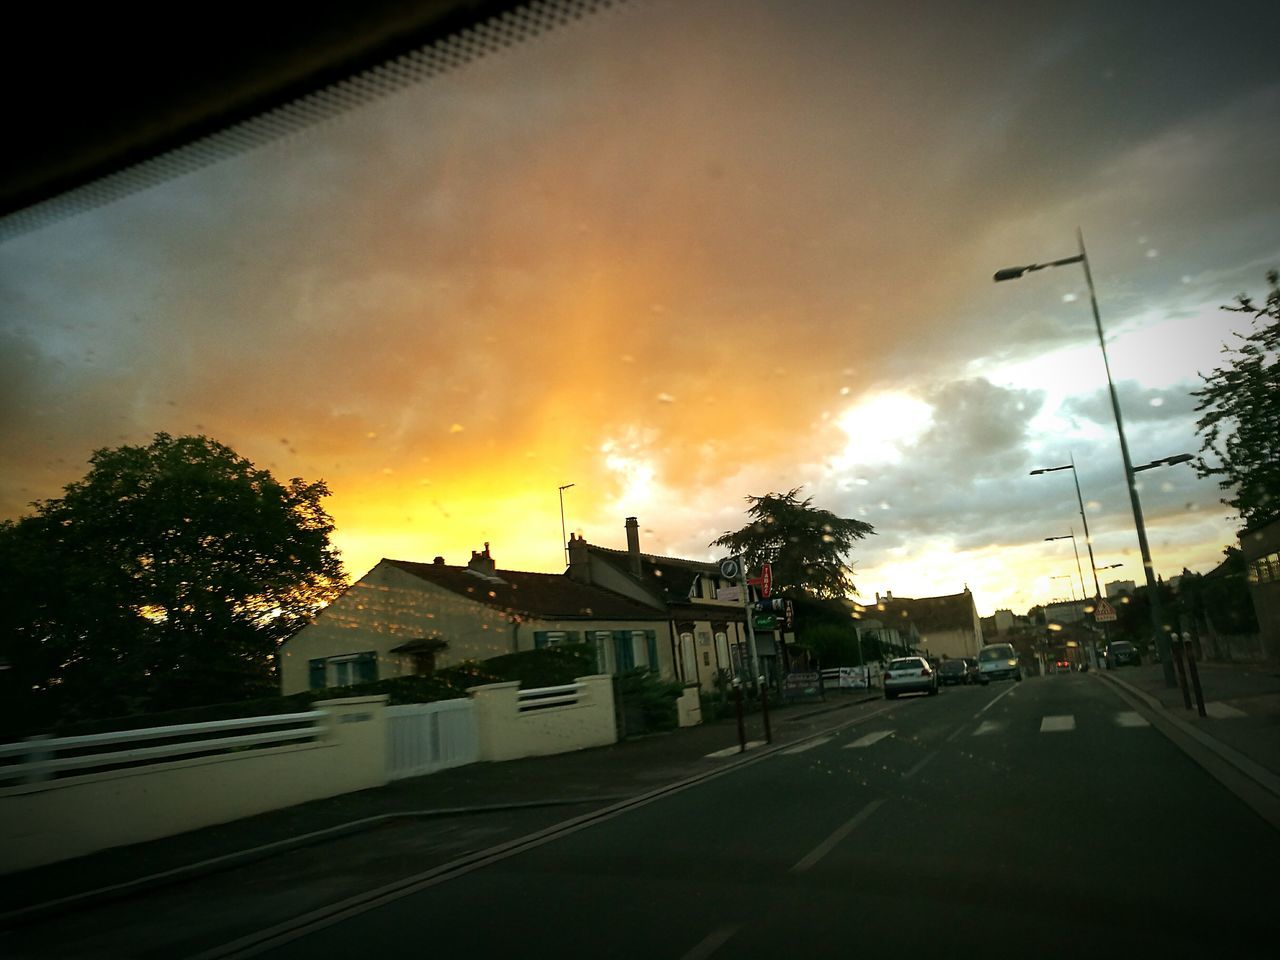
954	612
549	596
667	577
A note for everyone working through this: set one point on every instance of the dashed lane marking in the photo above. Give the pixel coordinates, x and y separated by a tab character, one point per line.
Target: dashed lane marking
868	740
1131	718
1058	724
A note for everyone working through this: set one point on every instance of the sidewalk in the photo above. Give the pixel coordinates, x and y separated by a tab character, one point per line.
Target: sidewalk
564	785
1242	703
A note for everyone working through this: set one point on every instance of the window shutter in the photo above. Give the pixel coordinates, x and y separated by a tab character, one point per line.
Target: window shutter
316	679
624	650
539	639
366	668
651	641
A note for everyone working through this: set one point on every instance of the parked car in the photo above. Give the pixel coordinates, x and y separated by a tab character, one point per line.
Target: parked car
998	661
909	675
1062	666
1122	653
954	672
971	664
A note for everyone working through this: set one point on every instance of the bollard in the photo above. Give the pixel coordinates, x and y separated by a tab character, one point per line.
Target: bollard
764	710
742	730
1195	678
1175	646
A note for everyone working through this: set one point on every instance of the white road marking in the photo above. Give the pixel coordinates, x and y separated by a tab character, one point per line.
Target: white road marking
730	751
919	766
1220	711
868	740
1059	724
827	845
1131	718
993	702
988	726
801	748
712	942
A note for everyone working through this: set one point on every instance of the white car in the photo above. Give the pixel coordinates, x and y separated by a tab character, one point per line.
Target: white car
998	661
909	675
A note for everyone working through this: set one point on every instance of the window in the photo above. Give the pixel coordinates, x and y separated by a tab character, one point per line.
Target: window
554	638
343	671
1265	569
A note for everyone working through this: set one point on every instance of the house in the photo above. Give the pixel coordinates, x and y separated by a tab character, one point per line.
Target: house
704	613
948	626
404	618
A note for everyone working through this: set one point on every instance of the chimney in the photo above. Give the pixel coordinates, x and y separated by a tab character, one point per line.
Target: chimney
633	545
482	562
579	560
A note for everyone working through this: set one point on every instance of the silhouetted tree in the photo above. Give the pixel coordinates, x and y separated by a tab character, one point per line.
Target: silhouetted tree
1240	403
165	578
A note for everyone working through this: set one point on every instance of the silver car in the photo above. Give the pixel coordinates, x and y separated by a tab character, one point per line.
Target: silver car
998	661
909	675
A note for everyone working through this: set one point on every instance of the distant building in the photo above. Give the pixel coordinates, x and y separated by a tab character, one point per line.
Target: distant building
949	626
1004	620
1120	588
1065	611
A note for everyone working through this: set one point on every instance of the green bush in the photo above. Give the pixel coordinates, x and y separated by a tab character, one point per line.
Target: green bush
647	703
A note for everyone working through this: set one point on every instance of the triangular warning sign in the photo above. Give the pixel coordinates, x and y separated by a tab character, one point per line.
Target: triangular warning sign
1103	611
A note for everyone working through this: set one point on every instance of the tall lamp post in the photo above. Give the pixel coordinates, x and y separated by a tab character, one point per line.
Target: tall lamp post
1084	591
1157	617
564	536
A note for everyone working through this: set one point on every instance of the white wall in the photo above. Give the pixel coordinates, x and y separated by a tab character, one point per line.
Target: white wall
56	820
506	733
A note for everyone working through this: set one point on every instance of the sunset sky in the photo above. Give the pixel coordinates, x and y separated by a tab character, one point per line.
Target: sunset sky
678	253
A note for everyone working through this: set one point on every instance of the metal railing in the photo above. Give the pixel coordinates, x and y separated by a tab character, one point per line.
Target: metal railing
45	758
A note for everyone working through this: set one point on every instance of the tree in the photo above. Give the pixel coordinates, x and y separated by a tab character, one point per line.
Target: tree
166	577
805	546
1241	422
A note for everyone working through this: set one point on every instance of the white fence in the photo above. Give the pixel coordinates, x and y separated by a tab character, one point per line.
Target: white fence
514	723
426	737
46	758
68	796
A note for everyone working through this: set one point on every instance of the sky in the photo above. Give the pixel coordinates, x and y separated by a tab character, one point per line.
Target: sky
677	254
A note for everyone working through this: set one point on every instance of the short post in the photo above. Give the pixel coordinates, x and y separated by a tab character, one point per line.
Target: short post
1175	646
37	758
1195	678
742	730
764	711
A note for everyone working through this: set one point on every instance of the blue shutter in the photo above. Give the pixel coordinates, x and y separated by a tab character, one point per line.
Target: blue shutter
366	670
539	639
316	679
651	641
624	652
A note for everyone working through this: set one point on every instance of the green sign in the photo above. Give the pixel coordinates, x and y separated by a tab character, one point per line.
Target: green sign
765	622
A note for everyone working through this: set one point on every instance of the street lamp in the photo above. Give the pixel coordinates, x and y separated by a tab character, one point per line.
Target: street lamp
1084	592
1165	462
1088	541
1161	638
1070	585
564	537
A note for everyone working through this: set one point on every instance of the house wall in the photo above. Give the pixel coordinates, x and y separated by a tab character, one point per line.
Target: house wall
952	643
386	608
1261	549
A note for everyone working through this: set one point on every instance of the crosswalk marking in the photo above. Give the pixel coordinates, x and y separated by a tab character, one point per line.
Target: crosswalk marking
1131	718
801	748
1058	724
868	740
1220	711
987	726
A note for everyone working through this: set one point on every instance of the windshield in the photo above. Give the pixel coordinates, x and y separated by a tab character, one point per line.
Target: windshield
477	414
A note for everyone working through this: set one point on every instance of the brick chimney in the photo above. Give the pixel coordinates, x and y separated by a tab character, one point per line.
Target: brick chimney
579	560
482	562
633	545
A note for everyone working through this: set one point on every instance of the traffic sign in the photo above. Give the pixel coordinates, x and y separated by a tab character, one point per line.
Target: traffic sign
764	581
731	568
1104	612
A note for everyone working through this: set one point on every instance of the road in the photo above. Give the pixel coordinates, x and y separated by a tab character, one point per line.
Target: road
1045	818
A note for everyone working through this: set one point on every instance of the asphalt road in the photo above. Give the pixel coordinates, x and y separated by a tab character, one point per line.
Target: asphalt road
1043	818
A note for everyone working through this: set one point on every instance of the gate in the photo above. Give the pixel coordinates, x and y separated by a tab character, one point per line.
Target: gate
426	737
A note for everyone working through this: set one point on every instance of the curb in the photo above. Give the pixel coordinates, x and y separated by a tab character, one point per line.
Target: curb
1261	789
